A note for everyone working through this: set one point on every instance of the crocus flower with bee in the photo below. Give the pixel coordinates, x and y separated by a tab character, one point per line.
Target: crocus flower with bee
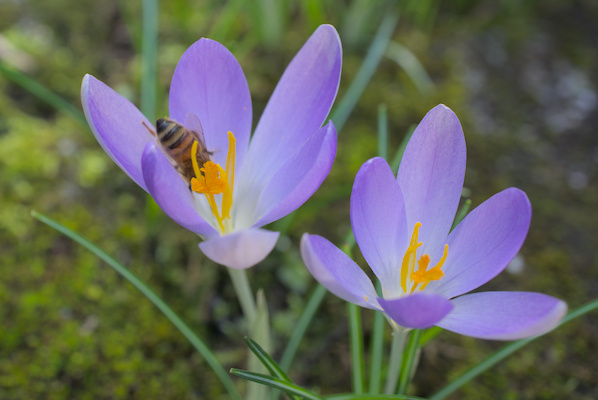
200	165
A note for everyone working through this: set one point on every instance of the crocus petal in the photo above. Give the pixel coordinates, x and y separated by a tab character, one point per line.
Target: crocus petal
484	242
241	249
431	176
504	315
419	310
298	178
378	219
299	104
171	192
337	272
117	125
209	82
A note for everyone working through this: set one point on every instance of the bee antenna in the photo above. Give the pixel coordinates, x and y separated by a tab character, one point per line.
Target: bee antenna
148	128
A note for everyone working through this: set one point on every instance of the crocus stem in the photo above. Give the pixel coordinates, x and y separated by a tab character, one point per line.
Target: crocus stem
258	326
410	355
396	359
376	350
244	295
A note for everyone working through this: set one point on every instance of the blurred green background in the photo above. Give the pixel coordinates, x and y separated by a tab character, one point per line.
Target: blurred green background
521	75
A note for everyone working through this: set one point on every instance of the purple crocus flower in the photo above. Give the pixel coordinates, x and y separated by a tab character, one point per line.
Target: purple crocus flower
402	227
245	185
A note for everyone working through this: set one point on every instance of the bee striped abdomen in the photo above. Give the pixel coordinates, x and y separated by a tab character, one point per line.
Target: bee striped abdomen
177	142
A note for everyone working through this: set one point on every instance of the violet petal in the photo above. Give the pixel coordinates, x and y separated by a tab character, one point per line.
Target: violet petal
241	249
171	192
482	245
431	176
378	219
299	177
117	125
209	82
337	272
419	310
299	104
504	315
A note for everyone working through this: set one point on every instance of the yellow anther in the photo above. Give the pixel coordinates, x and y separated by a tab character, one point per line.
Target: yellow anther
410	255
422	275
212	179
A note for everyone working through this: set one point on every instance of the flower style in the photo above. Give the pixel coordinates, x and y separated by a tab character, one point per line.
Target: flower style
403	229
242	185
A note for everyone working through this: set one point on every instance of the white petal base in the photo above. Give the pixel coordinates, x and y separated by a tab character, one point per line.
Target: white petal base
240	250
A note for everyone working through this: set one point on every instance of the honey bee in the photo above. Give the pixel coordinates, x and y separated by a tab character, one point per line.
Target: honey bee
177	141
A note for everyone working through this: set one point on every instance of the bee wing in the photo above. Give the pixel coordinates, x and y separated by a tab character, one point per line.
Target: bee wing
192	122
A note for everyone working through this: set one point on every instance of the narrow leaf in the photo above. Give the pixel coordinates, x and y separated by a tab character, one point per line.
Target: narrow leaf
195	341
396	160
149	57
409	361
411	65
461	213
267	360
429	334
356	338
260	330
376	50
276	384
269	363
352	396
43	93
377	347
382	132
304	321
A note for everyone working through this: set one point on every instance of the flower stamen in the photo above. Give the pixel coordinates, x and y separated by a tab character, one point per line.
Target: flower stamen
410	256
422	275
211	179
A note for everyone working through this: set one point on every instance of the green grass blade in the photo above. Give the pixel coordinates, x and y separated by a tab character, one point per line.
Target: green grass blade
269	363
149	56
396	160
43	93
355	332
267	360
195	341
461	213
376	350
226	19
429	334
308	313
276	384
503	353
304	321
409	361
260	329
352	396
382	132
356	338
411	65
342	112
